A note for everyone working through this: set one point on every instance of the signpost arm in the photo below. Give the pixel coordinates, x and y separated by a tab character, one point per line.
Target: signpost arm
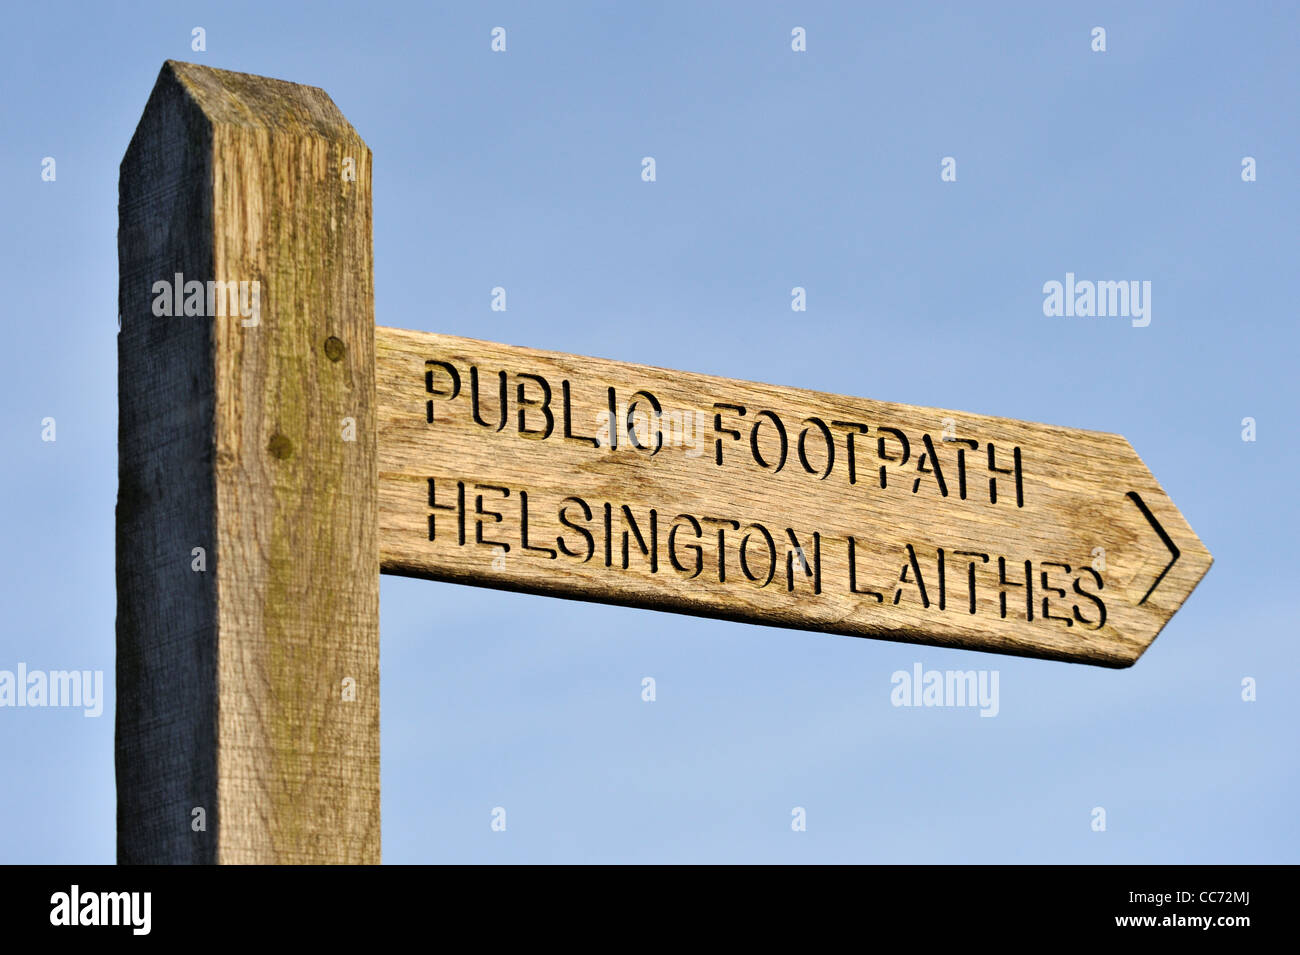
247	548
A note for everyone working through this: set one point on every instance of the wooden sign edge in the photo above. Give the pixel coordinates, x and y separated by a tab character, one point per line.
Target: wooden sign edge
1193	550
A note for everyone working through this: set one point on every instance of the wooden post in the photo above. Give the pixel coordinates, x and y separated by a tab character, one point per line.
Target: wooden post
247	549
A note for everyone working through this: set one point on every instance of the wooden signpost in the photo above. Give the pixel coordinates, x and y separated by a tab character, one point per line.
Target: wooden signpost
276	456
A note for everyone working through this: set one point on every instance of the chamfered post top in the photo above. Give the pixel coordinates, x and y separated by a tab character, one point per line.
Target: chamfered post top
227	98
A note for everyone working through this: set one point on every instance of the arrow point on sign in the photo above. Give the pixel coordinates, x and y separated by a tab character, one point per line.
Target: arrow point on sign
1178	559
1174	551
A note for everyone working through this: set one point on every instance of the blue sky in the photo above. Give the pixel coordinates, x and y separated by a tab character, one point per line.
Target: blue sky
775	169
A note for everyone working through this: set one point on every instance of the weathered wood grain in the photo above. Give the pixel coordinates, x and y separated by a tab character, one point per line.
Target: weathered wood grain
522	502
232	437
